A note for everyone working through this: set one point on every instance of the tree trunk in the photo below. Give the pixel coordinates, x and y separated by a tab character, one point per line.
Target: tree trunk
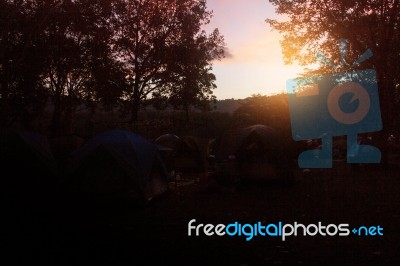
135	110
135	104
55	126
4	107
187	117
386	93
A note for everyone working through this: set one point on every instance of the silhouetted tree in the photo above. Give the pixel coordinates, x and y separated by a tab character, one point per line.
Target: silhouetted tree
58	53
78	53
147	33
78	62
272	111
21	59
318	25
191	65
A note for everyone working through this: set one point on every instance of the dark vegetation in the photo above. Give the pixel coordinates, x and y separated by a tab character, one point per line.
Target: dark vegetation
315	27
73	69
58	57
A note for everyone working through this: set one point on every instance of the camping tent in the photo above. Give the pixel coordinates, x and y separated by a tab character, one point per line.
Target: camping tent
170	141
254	152
27	164
185	155
197	150
64	145
118	164
169	145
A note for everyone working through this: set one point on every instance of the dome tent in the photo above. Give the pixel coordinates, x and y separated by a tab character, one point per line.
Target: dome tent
117	164
254	152
29	169
170	141
169	146
183	154
29	186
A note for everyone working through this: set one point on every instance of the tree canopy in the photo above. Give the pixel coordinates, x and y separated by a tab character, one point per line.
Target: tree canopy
62	55
314	25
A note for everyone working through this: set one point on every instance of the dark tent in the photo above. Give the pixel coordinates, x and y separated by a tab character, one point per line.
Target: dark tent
169	145
29	186
118	164
185	155
170	141
27	164
197	151
64	145
254	152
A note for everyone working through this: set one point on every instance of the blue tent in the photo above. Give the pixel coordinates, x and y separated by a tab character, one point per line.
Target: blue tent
118	163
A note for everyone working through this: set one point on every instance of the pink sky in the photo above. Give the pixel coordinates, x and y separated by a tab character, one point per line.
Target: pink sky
256	65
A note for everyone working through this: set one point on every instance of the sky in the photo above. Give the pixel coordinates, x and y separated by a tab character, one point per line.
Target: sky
254	63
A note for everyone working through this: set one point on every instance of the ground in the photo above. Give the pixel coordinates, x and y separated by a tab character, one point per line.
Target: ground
122	234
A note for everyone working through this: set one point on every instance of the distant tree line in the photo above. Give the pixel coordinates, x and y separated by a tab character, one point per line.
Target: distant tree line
57	56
